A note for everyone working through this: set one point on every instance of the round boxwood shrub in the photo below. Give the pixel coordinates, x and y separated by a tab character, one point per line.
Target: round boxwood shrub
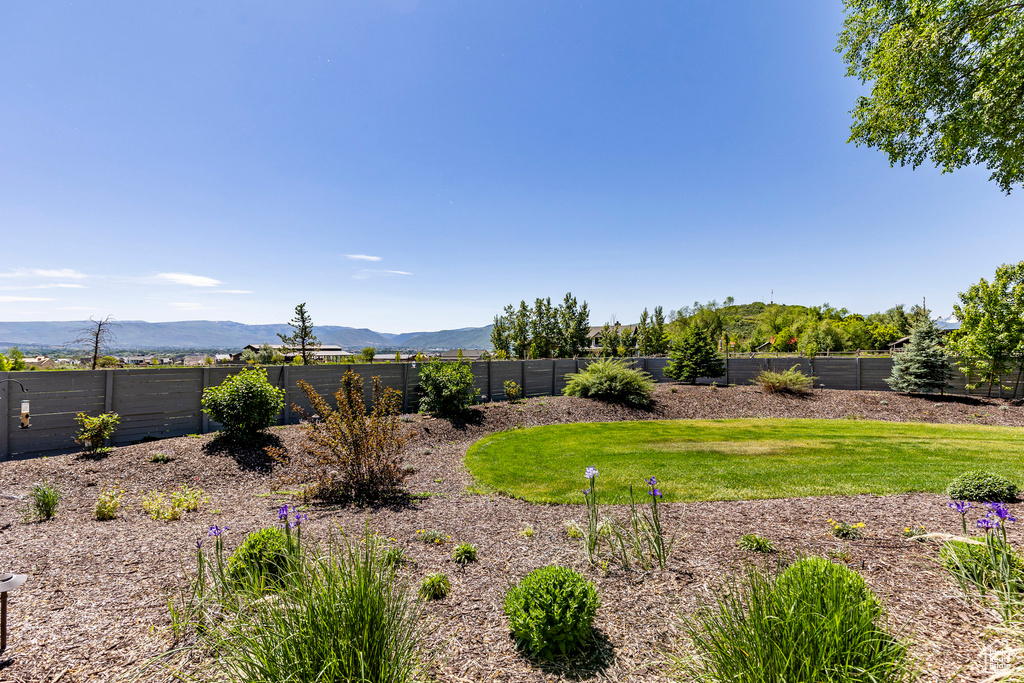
263	557
982	487
551	611
613	381
823	586
244	404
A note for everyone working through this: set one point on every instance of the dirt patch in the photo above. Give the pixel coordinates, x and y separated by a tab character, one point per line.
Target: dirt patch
94	606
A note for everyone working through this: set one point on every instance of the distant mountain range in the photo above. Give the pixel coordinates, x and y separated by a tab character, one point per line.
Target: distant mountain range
231	336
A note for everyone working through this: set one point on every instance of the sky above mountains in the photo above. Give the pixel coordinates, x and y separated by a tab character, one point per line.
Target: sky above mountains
403	165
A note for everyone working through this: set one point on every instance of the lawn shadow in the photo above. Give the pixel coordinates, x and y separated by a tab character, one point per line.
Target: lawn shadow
399	501
594	661
954	398
250	454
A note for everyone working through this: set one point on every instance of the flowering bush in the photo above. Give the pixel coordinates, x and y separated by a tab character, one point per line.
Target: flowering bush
642	539
845	530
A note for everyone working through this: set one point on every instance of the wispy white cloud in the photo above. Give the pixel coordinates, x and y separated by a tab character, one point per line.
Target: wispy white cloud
59	285
189	279
44	272
367	273
6	299
230	291
362	257
76	308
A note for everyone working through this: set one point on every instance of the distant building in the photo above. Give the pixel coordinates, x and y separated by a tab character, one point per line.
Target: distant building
595	336
944	326
326	353
40	362
467	354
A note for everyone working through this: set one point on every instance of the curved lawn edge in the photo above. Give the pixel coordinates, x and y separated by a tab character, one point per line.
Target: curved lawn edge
739	459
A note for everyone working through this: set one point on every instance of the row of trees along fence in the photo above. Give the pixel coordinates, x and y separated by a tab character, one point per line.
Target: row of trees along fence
162	403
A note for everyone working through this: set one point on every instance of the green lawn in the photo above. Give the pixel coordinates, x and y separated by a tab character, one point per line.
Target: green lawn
740	459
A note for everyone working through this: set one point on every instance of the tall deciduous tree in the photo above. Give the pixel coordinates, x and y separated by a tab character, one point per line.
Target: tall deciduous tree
991	335
695	355
922	367
947	82
500	336
96	335
302	339
573	327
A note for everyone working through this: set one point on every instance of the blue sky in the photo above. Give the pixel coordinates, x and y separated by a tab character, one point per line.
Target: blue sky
225	161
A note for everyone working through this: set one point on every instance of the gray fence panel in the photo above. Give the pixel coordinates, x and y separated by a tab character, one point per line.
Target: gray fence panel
743	370
504	371
54	400
563	368
874	372
656	369
835	373
539	378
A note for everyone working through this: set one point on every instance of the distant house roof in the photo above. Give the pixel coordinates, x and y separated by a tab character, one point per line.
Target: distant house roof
467	354
282	347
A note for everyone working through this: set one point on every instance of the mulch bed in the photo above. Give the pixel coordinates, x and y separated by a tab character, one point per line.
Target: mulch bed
94	607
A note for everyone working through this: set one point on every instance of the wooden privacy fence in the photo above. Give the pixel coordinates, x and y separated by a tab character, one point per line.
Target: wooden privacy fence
166	402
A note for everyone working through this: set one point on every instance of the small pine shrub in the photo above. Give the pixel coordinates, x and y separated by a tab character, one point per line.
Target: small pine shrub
513	392
551	611
245	404
108	504
982	487
349	453
42	500
612	380
817	621
447	388
759	544
435	587
791	381
94	432
262	558
464	553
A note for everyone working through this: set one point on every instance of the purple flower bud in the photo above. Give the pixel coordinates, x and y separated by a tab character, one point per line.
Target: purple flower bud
585	492
199	543
652	482
216	530
282	513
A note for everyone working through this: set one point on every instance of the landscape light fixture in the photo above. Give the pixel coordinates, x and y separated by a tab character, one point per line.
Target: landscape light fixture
26	417
8	582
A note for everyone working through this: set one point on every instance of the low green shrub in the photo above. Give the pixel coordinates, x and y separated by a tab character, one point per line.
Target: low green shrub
43	498
245	404
789	382
759	544
551	611
108	504
262	558
464	553
817	621
981	486
94	432
447	388
612	380
435	587
845	530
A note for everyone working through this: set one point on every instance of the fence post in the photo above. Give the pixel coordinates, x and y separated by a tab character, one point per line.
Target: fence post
727	359
554	371
858	371
108	391
286	381
405	388
490	388
205	428
5	417
522	376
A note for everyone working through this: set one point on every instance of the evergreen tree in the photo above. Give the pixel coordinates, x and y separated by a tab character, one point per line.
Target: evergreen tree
574	326
519	324
923	366
302	340
659	335
695	355
643	335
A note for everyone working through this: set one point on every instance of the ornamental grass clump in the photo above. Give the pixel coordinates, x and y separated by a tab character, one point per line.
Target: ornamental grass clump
613	381
551	612
350	454
342	614
43	498
816	621
758	544
435	587
982	487
791	381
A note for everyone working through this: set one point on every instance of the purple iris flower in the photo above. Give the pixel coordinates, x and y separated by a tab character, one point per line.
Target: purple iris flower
654	493
1001	511
299	519
216	530
585	492
652	482
988	524
199	543
961	506
282	512
590	473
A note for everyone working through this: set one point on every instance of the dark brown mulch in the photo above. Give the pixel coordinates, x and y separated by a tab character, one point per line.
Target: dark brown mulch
94	606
